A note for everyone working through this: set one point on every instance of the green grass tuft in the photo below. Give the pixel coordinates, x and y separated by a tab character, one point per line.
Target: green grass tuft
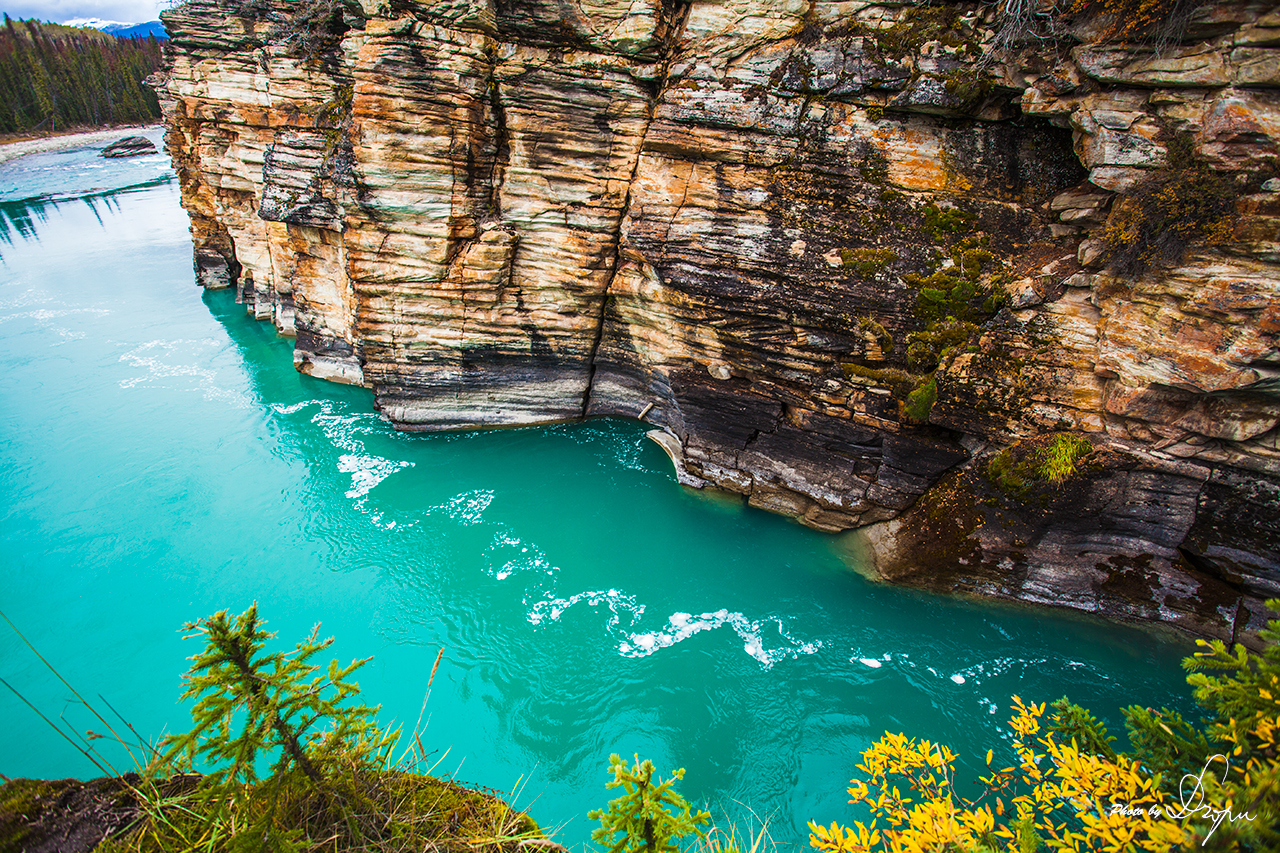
1060	459
1024	469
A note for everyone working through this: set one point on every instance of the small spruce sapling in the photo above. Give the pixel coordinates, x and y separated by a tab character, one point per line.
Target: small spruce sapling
282	701
649	816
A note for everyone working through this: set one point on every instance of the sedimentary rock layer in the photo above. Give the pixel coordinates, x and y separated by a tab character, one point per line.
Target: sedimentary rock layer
871	265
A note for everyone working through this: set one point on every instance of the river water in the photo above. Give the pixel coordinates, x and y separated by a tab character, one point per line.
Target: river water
161	460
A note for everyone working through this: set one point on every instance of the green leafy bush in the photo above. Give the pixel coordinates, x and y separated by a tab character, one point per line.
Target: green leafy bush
1229	759
1212	784
1060	459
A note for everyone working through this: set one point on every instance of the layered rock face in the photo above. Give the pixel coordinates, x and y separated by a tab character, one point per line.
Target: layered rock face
1000	293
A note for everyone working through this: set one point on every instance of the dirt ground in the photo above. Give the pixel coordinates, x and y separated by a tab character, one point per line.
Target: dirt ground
66	816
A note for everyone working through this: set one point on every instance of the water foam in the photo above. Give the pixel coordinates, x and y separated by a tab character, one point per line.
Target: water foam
164	360
682	626
469	507
366	469
366	472
619	605
44	318
529	558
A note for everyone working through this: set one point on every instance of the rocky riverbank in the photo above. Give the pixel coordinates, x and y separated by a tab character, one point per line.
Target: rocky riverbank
846	256
12	149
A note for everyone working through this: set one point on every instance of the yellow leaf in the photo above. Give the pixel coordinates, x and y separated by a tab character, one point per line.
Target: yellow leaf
990	755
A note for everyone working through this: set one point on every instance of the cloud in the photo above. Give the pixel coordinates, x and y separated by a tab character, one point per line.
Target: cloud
124	11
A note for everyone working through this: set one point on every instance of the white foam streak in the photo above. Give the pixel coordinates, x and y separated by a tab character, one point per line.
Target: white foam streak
294	409
619	605
679	627
44	317
682	626
366	469
525	557
366	472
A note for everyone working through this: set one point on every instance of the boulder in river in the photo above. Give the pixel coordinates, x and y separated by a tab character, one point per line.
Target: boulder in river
130	146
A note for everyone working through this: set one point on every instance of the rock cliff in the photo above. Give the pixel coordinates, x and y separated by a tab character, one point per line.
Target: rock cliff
996	285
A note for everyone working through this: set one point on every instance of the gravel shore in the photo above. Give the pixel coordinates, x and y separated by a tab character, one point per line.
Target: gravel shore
23	147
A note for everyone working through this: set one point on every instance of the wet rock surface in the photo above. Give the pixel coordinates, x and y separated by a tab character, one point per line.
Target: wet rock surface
130	146
842	253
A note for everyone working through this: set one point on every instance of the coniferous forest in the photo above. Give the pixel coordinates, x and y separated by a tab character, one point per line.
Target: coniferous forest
55	77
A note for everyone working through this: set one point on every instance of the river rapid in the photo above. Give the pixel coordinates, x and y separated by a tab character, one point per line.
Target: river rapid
161	460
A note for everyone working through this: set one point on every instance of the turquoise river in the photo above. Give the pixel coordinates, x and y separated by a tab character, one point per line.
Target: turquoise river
161	460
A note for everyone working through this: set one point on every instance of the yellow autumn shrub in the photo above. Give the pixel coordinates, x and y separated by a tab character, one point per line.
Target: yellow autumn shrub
1057	796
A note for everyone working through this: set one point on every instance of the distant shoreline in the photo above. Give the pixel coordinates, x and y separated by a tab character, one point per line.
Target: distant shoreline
15	148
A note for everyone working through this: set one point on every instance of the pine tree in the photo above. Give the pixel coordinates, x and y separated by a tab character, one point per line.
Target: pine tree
51	79
252	703
283	701
649	815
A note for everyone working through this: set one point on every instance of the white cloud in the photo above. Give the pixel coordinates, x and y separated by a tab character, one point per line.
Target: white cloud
125	11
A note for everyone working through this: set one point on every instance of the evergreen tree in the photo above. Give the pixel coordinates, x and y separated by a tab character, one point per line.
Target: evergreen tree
649	816
251	702
282	701
1228	760
67	78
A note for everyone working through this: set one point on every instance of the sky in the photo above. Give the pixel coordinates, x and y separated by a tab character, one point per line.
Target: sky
58	11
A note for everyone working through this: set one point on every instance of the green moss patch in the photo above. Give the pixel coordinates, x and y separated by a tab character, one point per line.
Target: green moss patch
899	382
942	223
926	349
920	401
389	811
867	262
970	288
